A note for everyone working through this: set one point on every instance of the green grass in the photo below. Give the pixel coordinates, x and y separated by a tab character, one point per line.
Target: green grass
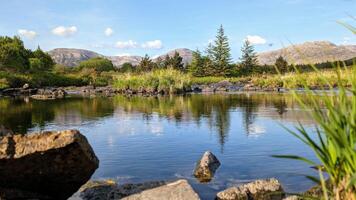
167	81
335	139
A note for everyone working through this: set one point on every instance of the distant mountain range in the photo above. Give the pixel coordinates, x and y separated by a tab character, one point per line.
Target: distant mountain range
72	57
309	53
306	53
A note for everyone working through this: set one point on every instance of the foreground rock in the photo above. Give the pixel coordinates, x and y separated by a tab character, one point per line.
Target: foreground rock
47	165
108	190
269	189
206	167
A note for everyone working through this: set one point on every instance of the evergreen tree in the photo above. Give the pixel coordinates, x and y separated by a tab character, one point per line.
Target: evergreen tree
146	64
281	64
219	52
47	62
177	62
196	66
248	58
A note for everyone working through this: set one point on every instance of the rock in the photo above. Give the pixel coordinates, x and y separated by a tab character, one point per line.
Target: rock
95	190
4	131
178	190
48	94
53	164
109	190
206	167
26	86
293	197
269	189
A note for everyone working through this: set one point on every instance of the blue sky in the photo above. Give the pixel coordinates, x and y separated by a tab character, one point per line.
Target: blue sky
117	27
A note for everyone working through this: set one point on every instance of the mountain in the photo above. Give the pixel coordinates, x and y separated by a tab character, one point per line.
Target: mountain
72	57
186	54
118	61
309	53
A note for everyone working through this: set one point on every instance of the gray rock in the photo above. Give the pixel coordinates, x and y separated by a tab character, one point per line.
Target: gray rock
53	164
269	189
109	190
178	190
26	86
5	131
206	167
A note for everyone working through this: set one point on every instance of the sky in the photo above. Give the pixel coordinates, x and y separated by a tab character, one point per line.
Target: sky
137	27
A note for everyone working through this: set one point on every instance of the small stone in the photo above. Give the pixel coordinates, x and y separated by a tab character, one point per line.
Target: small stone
206	167
26	86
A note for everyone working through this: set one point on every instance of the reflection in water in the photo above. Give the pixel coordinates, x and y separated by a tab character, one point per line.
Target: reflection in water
160	138
21	115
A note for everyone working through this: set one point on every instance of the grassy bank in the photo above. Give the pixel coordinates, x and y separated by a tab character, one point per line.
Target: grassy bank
172	81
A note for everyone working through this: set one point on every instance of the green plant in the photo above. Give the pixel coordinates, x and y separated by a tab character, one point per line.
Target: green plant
335	141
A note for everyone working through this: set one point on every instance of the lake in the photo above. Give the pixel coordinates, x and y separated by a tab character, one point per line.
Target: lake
141	139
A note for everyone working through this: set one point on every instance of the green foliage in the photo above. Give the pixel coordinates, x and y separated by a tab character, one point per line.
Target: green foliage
281	64
97	64
334	146
13	55
174	62
219	53
146	64
36	64
248	58
167	81
127	67
46	62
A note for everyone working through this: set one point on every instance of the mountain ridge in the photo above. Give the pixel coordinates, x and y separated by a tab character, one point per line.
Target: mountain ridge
305	53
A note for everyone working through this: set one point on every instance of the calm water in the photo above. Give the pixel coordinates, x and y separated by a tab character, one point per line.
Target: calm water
140	139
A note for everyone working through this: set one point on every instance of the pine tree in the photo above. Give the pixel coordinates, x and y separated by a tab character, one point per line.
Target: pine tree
219	52
248	58
146	64
281	64
196	66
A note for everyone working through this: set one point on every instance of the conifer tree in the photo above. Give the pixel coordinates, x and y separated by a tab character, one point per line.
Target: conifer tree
219	52
281	64
248	58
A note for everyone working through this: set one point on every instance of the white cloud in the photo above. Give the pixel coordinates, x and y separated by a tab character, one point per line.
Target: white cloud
126	44
255	39
27	33
64	31
108	31
155	44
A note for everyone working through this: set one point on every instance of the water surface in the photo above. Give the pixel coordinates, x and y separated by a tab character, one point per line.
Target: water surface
160	138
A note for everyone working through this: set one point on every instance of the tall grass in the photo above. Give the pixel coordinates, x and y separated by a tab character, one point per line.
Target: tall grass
167	81
335	141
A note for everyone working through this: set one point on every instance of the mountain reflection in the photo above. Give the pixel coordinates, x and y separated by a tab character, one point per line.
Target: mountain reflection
21	115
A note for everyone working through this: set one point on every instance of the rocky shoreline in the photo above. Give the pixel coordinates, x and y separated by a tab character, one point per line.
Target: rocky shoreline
59	164
49	93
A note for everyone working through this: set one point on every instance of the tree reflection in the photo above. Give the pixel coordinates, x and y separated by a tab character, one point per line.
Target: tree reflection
214	110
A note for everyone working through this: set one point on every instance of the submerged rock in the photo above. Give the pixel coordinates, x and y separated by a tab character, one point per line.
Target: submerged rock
269	189
206	167
50	164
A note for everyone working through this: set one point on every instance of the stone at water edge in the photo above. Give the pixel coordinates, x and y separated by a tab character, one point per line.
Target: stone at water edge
178	190
269	189
52	164
206	167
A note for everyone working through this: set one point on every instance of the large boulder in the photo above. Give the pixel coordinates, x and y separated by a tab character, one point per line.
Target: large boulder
109	190
269	189
206	167
48	164
178	190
